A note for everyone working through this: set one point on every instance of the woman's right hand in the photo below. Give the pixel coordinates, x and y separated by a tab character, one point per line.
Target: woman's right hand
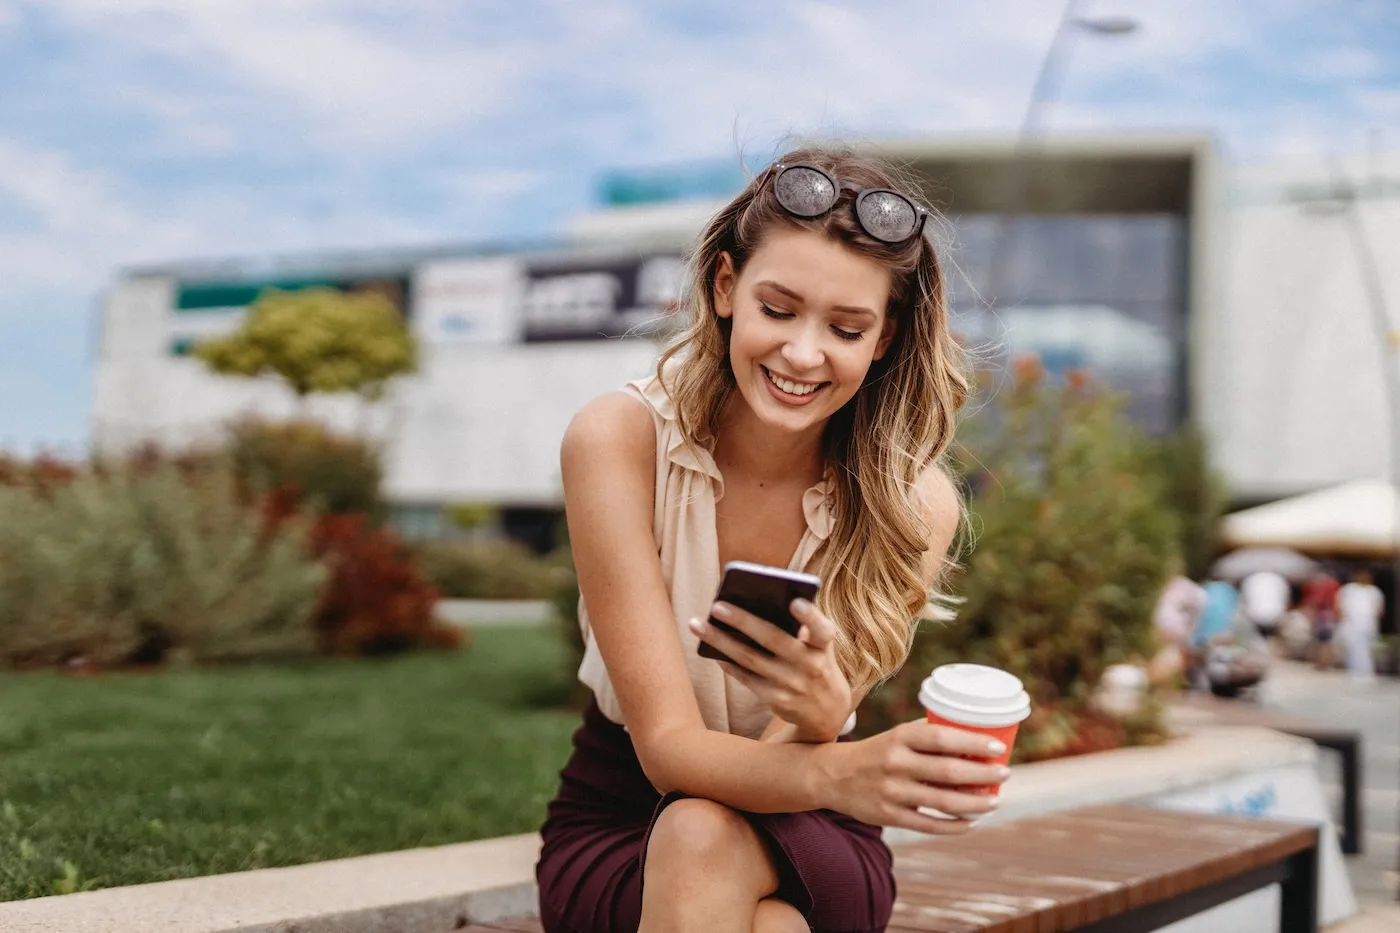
884	779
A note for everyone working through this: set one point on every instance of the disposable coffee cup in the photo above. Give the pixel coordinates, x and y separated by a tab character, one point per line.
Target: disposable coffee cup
981	699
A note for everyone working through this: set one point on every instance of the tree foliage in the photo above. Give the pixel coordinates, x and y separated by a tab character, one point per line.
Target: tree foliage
317	340
1074	538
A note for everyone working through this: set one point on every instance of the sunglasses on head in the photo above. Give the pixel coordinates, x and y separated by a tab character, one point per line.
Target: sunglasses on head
807	191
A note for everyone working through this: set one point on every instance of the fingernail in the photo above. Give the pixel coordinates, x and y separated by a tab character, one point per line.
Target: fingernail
696	626
1003	772
996	748
720	610
994	803
802	605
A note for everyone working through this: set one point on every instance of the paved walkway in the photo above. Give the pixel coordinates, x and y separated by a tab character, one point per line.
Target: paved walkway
1374	709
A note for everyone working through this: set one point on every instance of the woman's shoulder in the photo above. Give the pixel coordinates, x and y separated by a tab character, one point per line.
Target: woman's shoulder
942	508
615	424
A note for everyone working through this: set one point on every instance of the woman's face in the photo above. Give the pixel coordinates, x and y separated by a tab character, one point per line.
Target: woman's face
808	320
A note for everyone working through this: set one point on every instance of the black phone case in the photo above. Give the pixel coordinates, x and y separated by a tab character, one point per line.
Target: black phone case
766	597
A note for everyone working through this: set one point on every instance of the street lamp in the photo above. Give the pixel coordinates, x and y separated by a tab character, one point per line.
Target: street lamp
1047	80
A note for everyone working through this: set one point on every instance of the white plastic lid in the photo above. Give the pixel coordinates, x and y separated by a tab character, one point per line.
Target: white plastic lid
975	695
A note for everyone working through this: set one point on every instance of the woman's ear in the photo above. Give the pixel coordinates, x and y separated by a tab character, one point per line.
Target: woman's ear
724	285
886	337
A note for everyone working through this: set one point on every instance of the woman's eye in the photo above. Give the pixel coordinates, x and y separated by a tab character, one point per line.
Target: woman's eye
780	315
848	334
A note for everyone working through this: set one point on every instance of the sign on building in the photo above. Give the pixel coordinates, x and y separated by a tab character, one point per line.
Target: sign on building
468	300
586	299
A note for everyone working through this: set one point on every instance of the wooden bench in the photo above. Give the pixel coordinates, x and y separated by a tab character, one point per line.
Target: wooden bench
1111	869
1345	742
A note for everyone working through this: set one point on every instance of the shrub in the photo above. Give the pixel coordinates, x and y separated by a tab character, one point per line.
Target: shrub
129	565
1074	542
43	474
375	601
311	465
497	569
1195	492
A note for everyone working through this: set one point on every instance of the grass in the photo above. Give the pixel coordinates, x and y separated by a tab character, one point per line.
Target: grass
128	778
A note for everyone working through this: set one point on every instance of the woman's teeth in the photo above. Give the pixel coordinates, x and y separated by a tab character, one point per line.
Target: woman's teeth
792	388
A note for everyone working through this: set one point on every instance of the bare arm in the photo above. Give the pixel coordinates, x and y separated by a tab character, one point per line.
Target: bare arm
607	460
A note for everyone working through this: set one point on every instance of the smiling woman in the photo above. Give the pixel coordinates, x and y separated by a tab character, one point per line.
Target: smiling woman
799	422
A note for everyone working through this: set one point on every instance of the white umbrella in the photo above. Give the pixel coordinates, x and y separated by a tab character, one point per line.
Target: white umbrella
1283	561
1355	518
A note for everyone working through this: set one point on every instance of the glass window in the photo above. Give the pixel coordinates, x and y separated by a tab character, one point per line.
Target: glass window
1105	293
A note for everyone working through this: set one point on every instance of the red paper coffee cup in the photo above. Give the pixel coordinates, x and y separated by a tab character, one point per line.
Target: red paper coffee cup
977	698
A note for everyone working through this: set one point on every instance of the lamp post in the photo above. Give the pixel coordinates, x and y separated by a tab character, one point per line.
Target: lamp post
1043	91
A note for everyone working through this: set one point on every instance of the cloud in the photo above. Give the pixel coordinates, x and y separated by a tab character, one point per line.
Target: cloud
346	76
155	130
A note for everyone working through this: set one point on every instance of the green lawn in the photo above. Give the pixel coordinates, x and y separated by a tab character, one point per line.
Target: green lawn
127	778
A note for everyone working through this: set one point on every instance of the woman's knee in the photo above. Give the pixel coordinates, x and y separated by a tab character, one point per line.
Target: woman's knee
694	830
778	916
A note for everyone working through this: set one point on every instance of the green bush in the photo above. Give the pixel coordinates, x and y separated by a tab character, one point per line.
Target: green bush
135	564
1195	492
311	465
1074	539
495	569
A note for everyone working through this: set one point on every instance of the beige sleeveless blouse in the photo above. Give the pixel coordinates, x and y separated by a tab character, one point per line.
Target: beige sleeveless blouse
688	484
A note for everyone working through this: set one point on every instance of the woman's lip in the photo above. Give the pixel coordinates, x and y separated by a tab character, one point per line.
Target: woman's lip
774	372
787	398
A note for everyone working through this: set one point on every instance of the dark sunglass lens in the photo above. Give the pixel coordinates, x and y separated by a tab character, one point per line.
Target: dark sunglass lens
887	216
804	191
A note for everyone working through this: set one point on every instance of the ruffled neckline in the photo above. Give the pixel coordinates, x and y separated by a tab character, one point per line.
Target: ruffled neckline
817	505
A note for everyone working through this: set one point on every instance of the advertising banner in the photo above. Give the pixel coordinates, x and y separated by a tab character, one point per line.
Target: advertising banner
590	299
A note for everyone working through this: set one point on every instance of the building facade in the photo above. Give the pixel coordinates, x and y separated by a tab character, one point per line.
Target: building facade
1224	295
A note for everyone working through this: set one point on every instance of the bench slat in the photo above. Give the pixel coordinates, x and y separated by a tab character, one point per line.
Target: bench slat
1067	870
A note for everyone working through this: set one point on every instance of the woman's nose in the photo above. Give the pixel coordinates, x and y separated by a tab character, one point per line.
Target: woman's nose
803	351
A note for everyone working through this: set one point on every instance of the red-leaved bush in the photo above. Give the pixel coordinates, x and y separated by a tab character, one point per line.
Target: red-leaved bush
43	474
375	601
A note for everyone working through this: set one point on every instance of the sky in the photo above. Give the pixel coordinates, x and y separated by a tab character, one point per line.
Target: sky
154	130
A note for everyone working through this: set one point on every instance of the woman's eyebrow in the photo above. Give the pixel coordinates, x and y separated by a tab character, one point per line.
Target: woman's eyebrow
789	293
782	290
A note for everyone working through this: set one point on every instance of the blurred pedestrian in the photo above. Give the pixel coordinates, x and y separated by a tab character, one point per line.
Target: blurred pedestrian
1264	596
1174	617
1319	602
1360	606
1218	614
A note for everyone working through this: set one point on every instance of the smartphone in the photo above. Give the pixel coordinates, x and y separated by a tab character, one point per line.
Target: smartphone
764	591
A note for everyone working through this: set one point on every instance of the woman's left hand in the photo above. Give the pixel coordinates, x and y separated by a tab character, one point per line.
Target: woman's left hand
800	681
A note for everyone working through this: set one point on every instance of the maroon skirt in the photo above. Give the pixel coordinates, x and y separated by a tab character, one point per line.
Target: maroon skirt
835	869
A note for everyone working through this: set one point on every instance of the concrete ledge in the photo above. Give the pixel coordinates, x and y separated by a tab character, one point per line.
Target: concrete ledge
469	612
432	889
446	887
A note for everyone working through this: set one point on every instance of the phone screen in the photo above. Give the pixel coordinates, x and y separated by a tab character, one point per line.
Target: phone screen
764	591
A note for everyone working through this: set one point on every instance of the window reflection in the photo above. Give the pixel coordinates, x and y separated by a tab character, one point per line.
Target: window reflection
1106	293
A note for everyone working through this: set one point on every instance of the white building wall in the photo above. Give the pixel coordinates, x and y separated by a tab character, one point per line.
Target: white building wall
1297	390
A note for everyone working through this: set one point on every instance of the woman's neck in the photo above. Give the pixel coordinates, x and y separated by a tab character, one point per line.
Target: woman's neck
754	449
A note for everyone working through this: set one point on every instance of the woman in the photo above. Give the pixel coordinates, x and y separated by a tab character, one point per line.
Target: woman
798	422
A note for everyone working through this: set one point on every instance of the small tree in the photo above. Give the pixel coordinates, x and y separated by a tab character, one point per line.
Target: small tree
318	340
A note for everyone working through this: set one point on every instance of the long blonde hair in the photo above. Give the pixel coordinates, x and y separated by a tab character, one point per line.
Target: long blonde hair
876	447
